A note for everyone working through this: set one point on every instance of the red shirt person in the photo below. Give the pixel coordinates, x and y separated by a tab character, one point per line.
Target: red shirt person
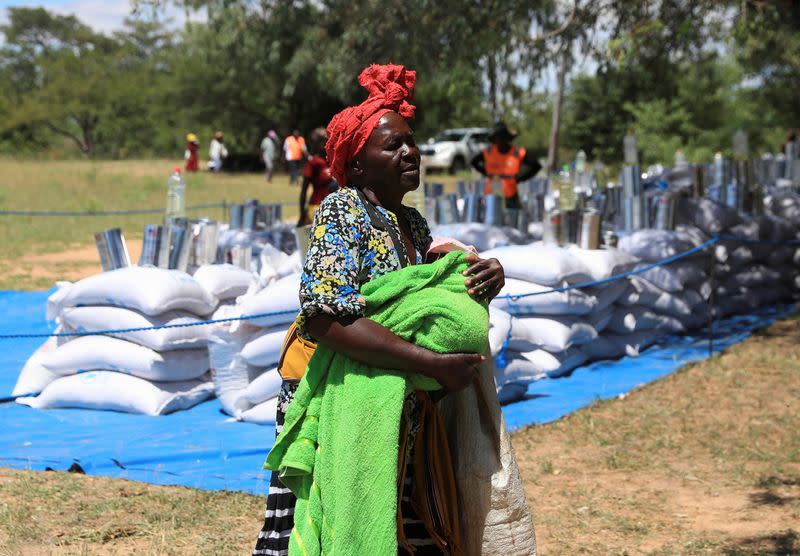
316	174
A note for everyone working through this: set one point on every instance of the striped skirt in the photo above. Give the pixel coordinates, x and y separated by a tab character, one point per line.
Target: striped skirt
273	540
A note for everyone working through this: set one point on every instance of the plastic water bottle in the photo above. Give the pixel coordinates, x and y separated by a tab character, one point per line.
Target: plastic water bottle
176	195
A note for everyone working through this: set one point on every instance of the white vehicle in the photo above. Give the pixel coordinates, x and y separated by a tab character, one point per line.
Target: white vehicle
453	149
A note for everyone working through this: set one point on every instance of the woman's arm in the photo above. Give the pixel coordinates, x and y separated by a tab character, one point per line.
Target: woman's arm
368	342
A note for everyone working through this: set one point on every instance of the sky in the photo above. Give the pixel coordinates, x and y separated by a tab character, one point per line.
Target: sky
101	15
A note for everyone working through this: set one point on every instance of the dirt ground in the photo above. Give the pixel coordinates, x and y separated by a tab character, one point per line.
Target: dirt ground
74	263
705	461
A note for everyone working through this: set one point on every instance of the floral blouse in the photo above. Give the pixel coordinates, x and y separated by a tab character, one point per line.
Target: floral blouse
345	251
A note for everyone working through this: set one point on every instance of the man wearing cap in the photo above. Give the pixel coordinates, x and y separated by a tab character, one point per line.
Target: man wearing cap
505	165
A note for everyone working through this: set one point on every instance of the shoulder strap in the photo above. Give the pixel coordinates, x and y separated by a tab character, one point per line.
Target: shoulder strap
379	221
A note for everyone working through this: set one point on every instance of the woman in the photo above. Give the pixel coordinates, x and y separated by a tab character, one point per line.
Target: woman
371	151
190	156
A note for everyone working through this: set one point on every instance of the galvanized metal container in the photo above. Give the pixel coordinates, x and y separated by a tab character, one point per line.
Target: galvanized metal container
151	238
589	231
472	208
112	249
493	210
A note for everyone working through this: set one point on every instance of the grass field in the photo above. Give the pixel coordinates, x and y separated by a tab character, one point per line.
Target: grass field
705	461
28	251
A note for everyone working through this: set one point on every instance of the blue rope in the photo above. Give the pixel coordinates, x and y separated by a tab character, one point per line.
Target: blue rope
145	328
616	277
102	212
120	212
787	242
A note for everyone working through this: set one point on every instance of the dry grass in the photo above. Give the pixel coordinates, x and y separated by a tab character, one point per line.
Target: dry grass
705	461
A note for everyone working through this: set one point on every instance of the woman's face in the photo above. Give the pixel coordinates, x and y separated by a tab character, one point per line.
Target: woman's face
389	161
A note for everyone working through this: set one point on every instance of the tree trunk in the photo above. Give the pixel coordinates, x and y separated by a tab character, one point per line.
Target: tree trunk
555	124
491	68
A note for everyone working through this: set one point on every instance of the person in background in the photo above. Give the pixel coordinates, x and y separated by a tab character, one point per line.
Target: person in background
190	156
294	148
317	174
505	165
217	152
269	151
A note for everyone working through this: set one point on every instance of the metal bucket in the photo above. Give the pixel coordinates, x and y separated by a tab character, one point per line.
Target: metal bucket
205	245
250	214
665	212
302	234
589	231
151	238
472	208
522	221
447	209
112	249
236	216
241	256
551	228
510	217
434	189
493	210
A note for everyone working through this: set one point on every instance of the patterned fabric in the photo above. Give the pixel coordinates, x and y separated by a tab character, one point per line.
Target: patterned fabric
344	252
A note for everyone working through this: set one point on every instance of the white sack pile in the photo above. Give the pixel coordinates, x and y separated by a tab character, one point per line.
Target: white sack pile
547	335
151	372
244	355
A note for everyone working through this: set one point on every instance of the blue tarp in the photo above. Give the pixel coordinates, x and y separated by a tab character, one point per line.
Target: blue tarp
201	448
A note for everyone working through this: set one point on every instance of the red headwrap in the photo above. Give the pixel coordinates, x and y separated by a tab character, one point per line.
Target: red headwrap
390	88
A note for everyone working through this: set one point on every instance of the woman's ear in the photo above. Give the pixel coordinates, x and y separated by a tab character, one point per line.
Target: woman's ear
354	171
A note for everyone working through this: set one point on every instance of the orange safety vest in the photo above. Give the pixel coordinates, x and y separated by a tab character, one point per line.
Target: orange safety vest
504	166
294	147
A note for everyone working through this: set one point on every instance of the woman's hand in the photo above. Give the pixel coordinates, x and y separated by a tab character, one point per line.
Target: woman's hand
454	371
486	278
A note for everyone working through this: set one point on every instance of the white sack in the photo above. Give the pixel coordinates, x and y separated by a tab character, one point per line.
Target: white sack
512	392
262	414
570	302
654	245
603	348
632	319
675	276
634	343
282	297
549	333
517	369
263	388
663	301
265	349
538	263
604	263
119	392
224	281
755	276
499	327
229	371
555	364
96	318
607	294
710	216
149	290
600	319
90	353
33	377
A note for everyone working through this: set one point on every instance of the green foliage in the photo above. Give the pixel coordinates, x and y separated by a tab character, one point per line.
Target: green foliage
682	74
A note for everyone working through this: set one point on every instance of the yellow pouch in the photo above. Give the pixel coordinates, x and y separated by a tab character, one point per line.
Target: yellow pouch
295	355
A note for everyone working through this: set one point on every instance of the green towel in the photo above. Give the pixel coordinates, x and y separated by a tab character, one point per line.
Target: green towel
338	451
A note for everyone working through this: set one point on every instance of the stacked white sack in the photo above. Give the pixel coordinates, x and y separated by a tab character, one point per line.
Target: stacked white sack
747	274
140	371
545	334
244	356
